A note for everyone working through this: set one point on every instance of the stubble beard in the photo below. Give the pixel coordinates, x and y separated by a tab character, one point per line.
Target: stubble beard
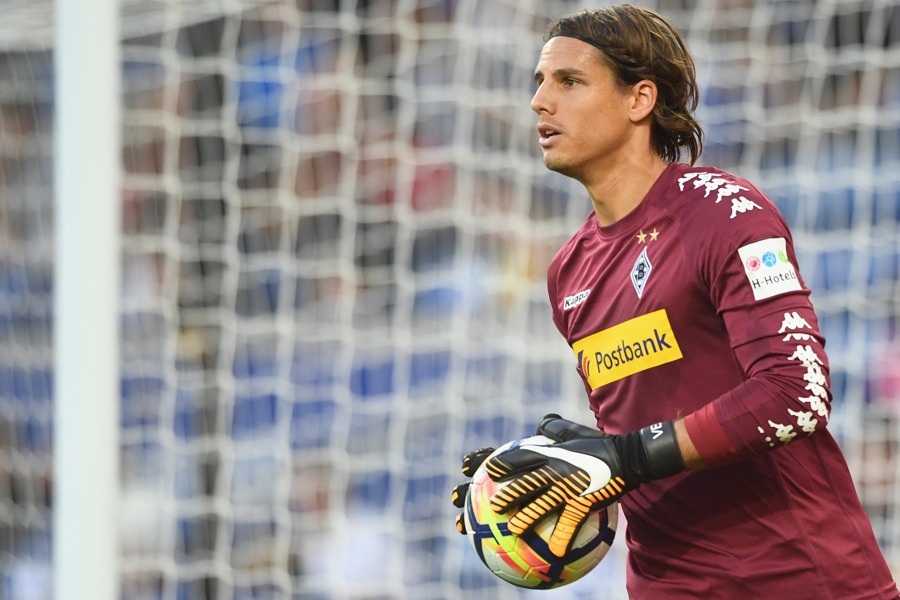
560	165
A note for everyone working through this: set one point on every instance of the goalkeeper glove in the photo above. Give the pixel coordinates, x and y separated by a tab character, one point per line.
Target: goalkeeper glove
471	462
585	470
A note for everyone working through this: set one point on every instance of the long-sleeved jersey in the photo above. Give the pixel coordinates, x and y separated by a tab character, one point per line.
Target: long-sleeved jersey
693	306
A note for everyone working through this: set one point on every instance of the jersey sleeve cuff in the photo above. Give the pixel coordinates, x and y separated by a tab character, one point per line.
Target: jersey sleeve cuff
709	437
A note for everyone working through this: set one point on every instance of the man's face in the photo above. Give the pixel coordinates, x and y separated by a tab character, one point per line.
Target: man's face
583	116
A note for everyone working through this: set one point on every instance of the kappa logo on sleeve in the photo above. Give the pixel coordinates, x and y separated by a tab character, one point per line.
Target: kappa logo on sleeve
768	268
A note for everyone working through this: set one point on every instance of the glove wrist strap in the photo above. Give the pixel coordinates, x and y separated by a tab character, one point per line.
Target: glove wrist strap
662	451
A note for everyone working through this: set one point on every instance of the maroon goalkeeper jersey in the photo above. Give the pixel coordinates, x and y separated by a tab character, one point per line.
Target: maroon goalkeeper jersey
693	306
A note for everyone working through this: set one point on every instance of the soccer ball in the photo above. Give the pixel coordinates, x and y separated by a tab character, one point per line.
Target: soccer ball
526	561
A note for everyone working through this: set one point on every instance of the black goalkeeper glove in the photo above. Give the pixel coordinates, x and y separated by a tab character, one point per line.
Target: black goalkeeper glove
471	462
585	470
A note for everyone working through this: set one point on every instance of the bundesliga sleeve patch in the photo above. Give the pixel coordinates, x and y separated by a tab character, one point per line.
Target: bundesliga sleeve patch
768	268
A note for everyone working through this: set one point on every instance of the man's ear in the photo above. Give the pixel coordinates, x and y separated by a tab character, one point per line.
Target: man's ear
643	100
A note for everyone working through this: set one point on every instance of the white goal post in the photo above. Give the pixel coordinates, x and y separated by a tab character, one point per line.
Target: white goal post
87	142
332	225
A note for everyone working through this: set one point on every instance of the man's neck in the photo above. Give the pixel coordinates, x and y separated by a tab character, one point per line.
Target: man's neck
617	192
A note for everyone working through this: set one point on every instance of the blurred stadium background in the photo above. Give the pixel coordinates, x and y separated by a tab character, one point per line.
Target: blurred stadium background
335	229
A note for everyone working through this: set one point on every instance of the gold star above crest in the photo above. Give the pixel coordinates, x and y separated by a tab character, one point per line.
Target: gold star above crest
641	237
654	234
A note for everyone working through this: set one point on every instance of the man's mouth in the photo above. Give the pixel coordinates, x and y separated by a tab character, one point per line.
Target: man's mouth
547	134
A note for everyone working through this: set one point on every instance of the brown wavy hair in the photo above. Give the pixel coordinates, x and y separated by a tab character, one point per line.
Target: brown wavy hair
638	44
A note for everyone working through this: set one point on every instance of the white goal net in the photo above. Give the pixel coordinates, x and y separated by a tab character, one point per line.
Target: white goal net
336	225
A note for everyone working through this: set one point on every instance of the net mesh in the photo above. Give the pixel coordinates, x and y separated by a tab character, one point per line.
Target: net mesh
336	225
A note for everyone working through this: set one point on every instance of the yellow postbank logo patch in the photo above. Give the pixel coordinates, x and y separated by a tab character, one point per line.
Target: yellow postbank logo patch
630	347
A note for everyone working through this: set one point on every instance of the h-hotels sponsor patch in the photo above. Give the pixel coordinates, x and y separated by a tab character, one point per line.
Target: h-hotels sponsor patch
768	268
636	345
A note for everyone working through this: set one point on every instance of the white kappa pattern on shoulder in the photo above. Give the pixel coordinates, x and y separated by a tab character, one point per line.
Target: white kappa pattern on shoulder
723	187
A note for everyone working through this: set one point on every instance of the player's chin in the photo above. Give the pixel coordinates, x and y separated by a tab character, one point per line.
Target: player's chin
551	160
559	164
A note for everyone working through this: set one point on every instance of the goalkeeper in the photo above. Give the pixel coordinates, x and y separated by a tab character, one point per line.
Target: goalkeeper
694	336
